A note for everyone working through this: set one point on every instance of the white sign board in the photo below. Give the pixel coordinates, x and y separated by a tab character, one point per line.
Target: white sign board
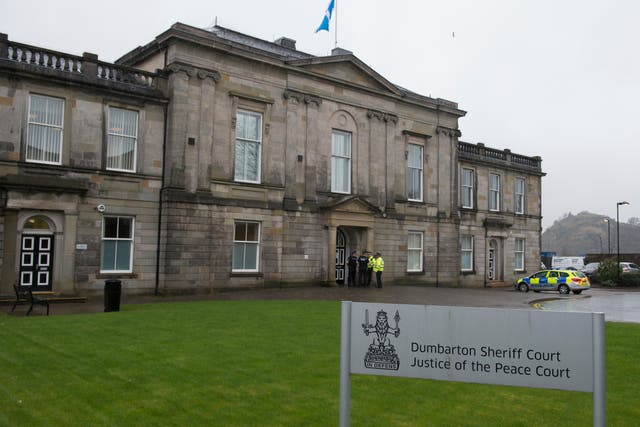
479	345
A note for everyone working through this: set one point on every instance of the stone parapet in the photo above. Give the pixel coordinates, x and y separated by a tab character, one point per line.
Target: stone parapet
86	69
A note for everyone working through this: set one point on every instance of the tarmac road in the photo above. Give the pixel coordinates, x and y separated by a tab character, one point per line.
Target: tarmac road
617	305
592	300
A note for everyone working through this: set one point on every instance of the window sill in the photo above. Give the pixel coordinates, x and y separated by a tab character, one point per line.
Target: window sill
106	275
246	274
467	272
415	273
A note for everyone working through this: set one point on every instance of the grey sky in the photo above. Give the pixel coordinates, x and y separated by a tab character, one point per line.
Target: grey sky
554	78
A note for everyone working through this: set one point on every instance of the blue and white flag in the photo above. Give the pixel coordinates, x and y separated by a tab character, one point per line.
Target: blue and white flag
327	17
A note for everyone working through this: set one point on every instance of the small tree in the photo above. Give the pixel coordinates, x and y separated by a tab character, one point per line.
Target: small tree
608	272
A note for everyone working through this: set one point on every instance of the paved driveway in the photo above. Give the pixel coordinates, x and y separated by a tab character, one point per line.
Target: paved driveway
617	305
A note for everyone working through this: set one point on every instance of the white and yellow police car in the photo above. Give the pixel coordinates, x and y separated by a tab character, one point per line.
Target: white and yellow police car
563	281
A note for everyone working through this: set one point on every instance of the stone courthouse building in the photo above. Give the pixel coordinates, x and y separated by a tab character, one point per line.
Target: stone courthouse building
212	159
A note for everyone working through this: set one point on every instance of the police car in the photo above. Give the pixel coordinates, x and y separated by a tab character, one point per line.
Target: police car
563	281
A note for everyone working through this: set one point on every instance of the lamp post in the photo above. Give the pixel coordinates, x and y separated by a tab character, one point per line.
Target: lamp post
608	233
618	204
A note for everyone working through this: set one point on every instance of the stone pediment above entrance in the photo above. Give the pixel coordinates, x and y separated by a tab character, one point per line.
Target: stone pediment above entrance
351	211
352	204
349	69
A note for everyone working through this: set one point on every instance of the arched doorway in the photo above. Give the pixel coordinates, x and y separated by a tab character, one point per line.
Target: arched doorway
494	263
36	254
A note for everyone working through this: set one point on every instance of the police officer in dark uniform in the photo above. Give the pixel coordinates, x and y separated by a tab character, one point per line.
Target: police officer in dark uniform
363	265
352	263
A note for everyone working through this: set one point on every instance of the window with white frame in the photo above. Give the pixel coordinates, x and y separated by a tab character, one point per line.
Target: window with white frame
248	146
246	245
519	193
466	188
45	129
519	255
122	139
466	253
494	192
414	251
340	162
414	172
117	244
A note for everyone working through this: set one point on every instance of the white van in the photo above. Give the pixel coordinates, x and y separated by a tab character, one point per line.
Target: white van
567	263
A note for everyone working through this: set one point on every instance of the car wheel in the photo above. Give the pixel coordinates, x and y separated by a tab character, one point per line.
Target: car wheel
564	289
522	287
578	292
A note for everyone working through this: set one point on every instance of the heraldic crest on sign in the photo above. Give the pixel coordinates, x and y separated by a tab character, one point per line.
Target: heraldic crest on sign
381	353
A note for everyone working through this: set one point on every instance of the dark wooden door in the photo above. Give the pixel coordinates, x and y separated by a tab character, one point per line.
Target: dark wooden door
36	262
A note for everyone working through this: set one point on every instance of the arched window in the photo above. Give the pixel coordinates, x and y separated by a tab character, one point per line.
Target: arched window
37	223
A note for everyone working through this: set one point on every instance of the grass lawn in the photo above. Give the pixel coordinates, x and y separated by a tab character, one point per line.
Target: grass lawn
256	363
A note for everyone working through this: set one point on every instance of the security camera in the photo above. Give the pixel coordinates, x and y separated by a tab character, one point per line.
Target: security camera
101	208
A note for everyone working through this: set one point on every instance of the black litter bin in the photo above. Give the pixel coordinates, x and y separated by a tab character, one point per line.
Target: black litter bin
112	291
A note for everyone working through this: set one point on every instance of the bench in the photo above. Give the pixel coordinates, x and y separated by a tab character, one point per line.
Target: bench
24	296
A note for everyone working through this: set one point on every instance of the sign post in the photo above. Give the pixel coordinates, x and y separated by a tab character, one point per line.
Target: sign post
479	345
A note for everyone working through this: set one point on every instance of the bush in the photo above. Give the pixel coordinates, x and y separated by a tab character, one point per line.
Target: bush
609	275
608	272
629	279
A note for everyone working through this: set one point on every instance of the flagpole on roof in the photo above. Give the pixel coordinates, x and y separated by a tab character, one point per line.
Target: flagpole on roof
336	35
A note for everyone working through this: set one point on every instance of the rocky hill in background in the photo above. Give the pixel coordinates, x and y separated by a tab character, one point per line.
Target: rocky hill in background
574	235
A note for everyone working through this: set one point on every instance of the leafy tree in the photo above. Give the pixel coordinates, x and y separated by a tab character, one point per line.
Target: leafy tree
608	272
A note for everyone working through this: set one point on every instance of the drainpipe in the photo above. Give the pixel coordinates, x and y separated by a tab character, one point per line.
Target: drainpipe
164	157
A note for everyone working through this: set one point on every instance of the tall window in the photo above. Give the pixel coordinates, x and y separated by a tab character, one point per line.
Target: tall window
248	146
466	188
117	244
466	253
414	251
44	133
519	192
122	139
246	238
414	172
340	162
519	255
494	192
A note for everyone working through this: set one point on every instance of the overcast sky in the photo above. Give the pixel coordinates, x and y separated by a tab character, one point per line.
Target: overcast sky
556	79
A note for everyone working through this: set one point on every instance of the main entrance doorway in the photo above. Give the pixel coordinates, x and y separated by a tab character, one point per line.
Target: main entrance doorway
36	255
494	261
36	258
341	250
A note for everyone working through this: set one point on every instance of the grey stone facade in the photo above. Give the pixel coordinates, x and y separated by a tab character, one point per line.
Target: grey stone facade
187	88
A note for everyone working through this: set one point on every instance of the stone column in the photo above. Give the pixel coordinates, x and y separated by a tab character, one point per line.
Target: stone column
393	167
446	144
204	144
294	149
178	121
331	268
308	177
381	170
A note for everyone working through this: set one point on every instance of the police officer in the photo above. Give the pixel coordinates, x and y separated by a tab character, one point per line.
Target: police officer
363	262
378	268
369	268
352	263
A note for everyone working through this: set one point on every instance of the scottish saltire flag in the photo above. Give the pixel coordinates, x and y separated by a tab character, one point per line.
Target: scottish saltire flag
324	25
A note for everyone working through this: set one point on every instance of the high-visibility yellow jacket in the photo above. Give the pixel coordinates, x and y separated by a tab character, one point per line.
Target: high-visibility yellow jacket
378	264
370	262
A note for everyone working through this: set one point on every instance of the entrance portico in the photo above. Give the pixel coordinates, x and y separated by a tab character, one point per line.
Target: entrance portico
351	224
